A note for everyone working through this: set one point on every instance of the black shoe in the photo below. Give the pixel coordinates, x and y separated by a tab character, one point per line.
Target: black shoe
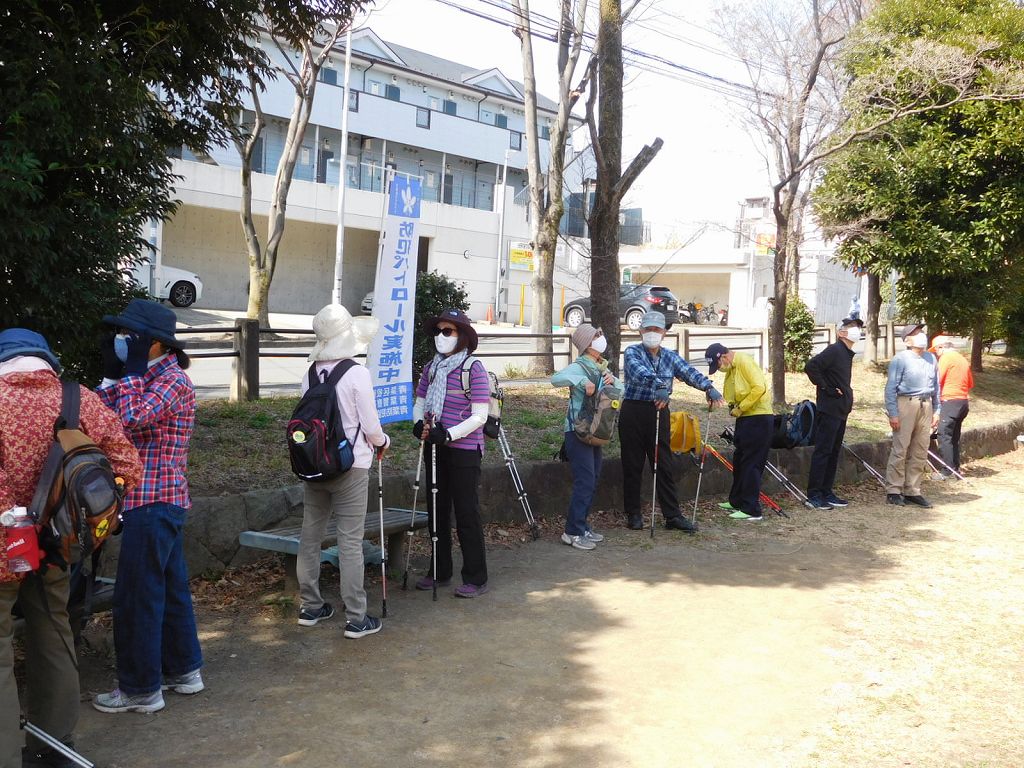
45	758
920	501
680	523
894	498
635	523
370	625
308	617
816	502
835	501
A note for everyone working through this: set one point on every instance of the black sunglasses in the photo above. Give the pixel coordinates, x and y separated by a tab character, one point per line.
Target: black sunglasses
445	331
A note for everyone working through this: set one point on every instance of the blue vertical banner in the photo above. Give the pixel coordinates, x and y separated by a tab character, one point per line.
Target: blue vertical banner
389	357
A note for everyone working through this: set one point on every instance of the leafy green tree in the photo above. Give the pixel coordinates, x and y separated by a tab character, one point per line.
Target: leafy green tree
799	334
434	294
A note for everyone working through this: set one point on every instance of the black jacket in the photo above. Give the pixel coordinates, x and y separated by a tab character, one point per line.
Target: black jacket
829	370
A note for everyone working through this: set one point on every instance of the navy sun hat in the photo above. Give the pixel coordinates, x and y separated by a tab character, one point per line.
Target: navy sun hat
21	342
149	317
713	354
460	320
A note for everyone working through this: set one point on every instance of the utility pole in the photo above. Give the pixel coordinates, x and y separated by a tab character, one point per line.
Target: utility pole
339	241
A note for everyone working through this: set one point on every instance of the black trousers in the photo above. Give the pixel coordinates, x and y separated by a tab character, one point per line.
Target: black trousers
458	484
636	436
829	431
752	441
951	420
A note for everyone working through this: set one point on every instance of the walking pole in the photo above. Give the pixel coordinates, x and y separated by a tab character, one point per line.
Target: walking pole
763	497
871	470
938	459
433	515
56	744
703	456
517	481
654	490
383	541
775	472
412	517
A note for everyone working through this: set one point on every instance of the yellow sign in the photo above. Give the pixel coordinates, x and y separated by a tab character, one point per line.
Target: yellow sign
520	256
763	243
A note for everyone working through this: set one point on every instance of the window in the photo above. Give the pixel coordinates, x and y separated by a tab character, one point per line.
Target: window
515	140
329	76
449	107
430	179
501	121
392	92
422	117
257	156
353	101
375	87
434	103
544	132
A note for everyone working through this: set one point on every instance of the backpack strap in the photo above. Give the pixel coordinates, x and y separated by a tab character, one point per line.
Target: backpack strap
70	406
465	370
332	380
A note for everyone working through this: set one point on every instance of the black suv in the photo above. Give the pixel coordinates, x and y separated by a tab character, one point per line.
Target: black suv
634	301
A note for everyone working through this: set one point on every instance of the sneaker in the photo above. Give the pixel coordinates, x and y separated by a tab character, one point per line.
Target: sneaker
680	523
894	498
835	501
118	701
635	523
470	590
185	684
920	501
578	542
370	625
739	515
308	617
426	584
593	536
818	503
727	506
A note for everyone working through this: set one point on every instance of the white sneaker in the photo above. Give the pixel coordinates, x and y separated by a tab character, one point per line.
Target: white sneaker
118	701
578	542
597	538
184	684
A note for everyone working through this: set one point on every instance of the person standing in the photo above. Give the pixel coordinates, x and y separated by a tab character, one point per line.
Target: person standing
451	417
955	384
340	337
911	402
750	402
585	377
155	636
831	371
30	403
650	370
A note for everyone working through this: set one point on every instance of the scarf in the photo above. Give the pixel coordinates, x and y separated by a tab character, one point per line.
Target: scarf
437	390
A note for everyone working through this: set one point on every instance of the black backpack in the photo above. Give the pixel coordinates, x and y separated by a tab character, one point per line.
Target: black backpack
317	445
796	428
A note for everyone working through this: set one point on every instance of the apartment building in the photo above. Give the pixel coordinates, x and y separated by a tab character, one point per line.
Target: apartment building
453	126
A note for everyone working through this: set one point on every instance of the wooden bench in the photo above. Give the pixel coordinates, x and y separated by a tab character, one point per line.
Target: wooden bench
286	540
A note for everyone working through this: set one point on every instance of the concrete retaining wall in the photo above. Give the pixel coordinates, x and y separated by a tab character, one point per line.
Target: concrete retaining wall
211	533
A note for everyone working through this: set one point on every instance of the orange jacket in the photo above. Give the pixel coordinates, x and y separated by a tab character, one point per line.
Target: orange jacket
955	377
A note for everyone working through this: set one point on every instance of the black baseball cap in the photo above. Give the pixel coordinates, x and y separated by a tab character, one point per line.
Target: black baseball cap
848	321
713	354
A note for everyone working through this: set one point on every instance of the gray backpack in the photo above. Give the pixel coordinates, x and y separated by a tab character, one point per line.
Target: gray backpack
597	417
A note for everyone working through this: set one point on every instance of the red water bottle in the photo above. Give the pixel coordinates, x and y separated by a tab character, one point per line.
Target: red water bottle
22	540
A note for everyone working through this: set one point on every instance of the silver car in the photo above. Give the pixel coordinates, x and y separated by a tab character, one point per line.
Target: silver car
367	305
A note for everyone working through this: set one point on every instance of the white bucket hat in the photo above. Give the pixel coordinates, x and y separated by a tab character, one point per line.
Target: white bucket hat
339	335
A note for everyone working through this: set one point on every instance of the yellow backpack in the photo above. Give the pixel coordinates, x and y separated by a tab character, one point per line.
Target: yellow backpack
685	435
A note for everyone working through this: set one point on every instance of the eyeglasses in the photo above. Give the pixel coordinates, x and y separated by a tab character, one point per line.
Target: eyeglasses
445	332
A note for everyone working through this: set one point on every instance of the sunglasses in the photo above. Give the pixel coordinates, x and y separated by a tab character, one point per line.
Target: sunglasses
445	332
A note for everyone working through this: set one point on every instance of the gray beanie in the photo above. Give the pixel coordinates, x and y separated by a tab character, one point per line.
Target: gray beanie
584	336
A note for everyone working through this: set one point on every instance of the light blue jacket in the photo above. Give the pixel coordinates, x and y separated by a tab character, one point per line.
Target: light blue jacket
910	374
575	376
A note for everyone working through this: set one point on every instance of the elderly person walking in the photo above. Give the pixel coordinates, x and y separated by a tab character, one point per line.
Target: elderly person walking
339	338
911	402
650	371
585	377
451	417
955	384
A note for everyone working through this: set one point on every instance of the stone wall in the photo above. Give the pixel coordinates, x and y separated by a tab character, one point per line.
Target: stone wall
211	533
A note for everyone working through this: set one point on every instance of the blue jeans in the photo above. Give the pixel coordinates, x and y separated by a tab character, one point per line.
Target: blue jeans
585	461
154	626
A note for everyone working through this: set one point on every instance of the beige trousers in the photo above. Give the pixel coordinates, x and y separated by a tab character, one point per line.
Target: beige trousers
909	452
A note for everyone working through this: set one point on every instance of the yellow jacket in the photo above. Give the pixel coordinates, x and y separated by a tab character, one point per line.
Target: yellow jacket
746	388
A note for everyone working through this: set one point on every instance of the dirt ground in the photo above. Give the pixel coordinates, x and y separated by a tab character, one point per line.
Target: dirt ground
871	636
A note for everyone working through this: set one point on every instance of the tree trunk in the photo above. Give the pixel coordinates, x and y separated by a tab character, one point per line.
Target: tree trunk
604	277
874	304
978	344
777	322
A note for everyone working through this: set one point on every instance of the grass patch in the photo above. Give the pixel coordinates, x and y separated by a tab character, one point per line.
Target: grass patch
241	446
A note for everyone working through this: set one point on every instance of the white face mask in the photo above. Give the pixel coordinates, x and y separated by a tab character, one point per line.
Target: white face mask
600	345
920	341
853	334
652	339
446	344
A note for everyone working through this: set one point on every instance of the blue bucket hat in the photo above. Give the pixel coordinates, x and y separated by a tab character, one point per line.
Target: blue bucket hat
653	319
149	317
21	342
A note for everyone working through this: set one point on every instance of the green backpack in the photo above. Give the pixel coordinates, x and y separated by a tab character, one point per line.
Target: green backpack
596	420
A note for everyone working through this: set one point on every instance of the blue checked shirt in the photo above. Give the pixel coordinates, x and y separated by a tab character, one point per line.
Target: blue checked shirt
650	378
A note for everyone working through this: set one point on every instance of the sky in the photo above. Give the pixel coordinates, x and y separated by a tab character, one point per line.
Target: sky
708	163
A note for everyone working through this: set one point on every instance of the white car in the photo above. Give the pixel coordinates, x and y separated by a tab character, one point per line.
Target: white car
367	305
179	286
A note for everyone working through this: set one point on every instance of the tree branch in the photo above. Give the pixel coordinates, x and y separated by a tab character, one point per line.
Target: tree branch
636	167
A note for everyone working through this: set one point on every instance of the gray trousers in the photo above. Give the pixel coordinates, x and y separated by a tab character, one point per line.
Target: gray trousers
345	497
51	680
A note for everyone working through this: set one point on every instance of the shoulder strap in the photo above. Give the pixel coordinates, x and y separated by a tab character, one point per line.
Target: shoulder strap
465	370
70	406
340	370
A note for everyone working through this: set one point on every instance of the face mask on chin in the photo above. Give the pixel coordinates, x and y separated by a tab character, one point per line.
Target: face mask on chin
652	339
446	344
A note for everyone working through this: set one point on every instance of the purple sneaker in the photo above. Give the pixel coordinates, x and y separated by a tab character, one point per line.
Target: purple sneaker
470	590
426	584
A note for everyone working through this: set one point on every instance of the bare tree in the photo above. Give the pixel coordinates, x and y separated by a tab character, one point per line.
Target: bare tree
332	20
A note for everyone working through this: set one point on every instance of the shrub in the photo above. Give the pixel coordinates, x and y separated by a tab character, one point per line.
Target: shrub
799	334
434	294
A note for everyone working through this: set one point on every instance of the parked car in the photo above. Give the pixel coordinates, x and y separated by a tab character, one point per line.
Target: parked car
367	305
634	301
179	286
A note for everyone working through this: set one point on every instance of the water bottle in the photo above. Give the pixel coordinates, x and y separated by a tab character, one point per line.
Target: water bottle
22	540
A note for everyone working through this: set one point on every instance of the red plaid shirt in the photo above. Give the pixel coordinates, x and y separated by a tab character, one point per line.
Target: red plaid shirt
158	411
